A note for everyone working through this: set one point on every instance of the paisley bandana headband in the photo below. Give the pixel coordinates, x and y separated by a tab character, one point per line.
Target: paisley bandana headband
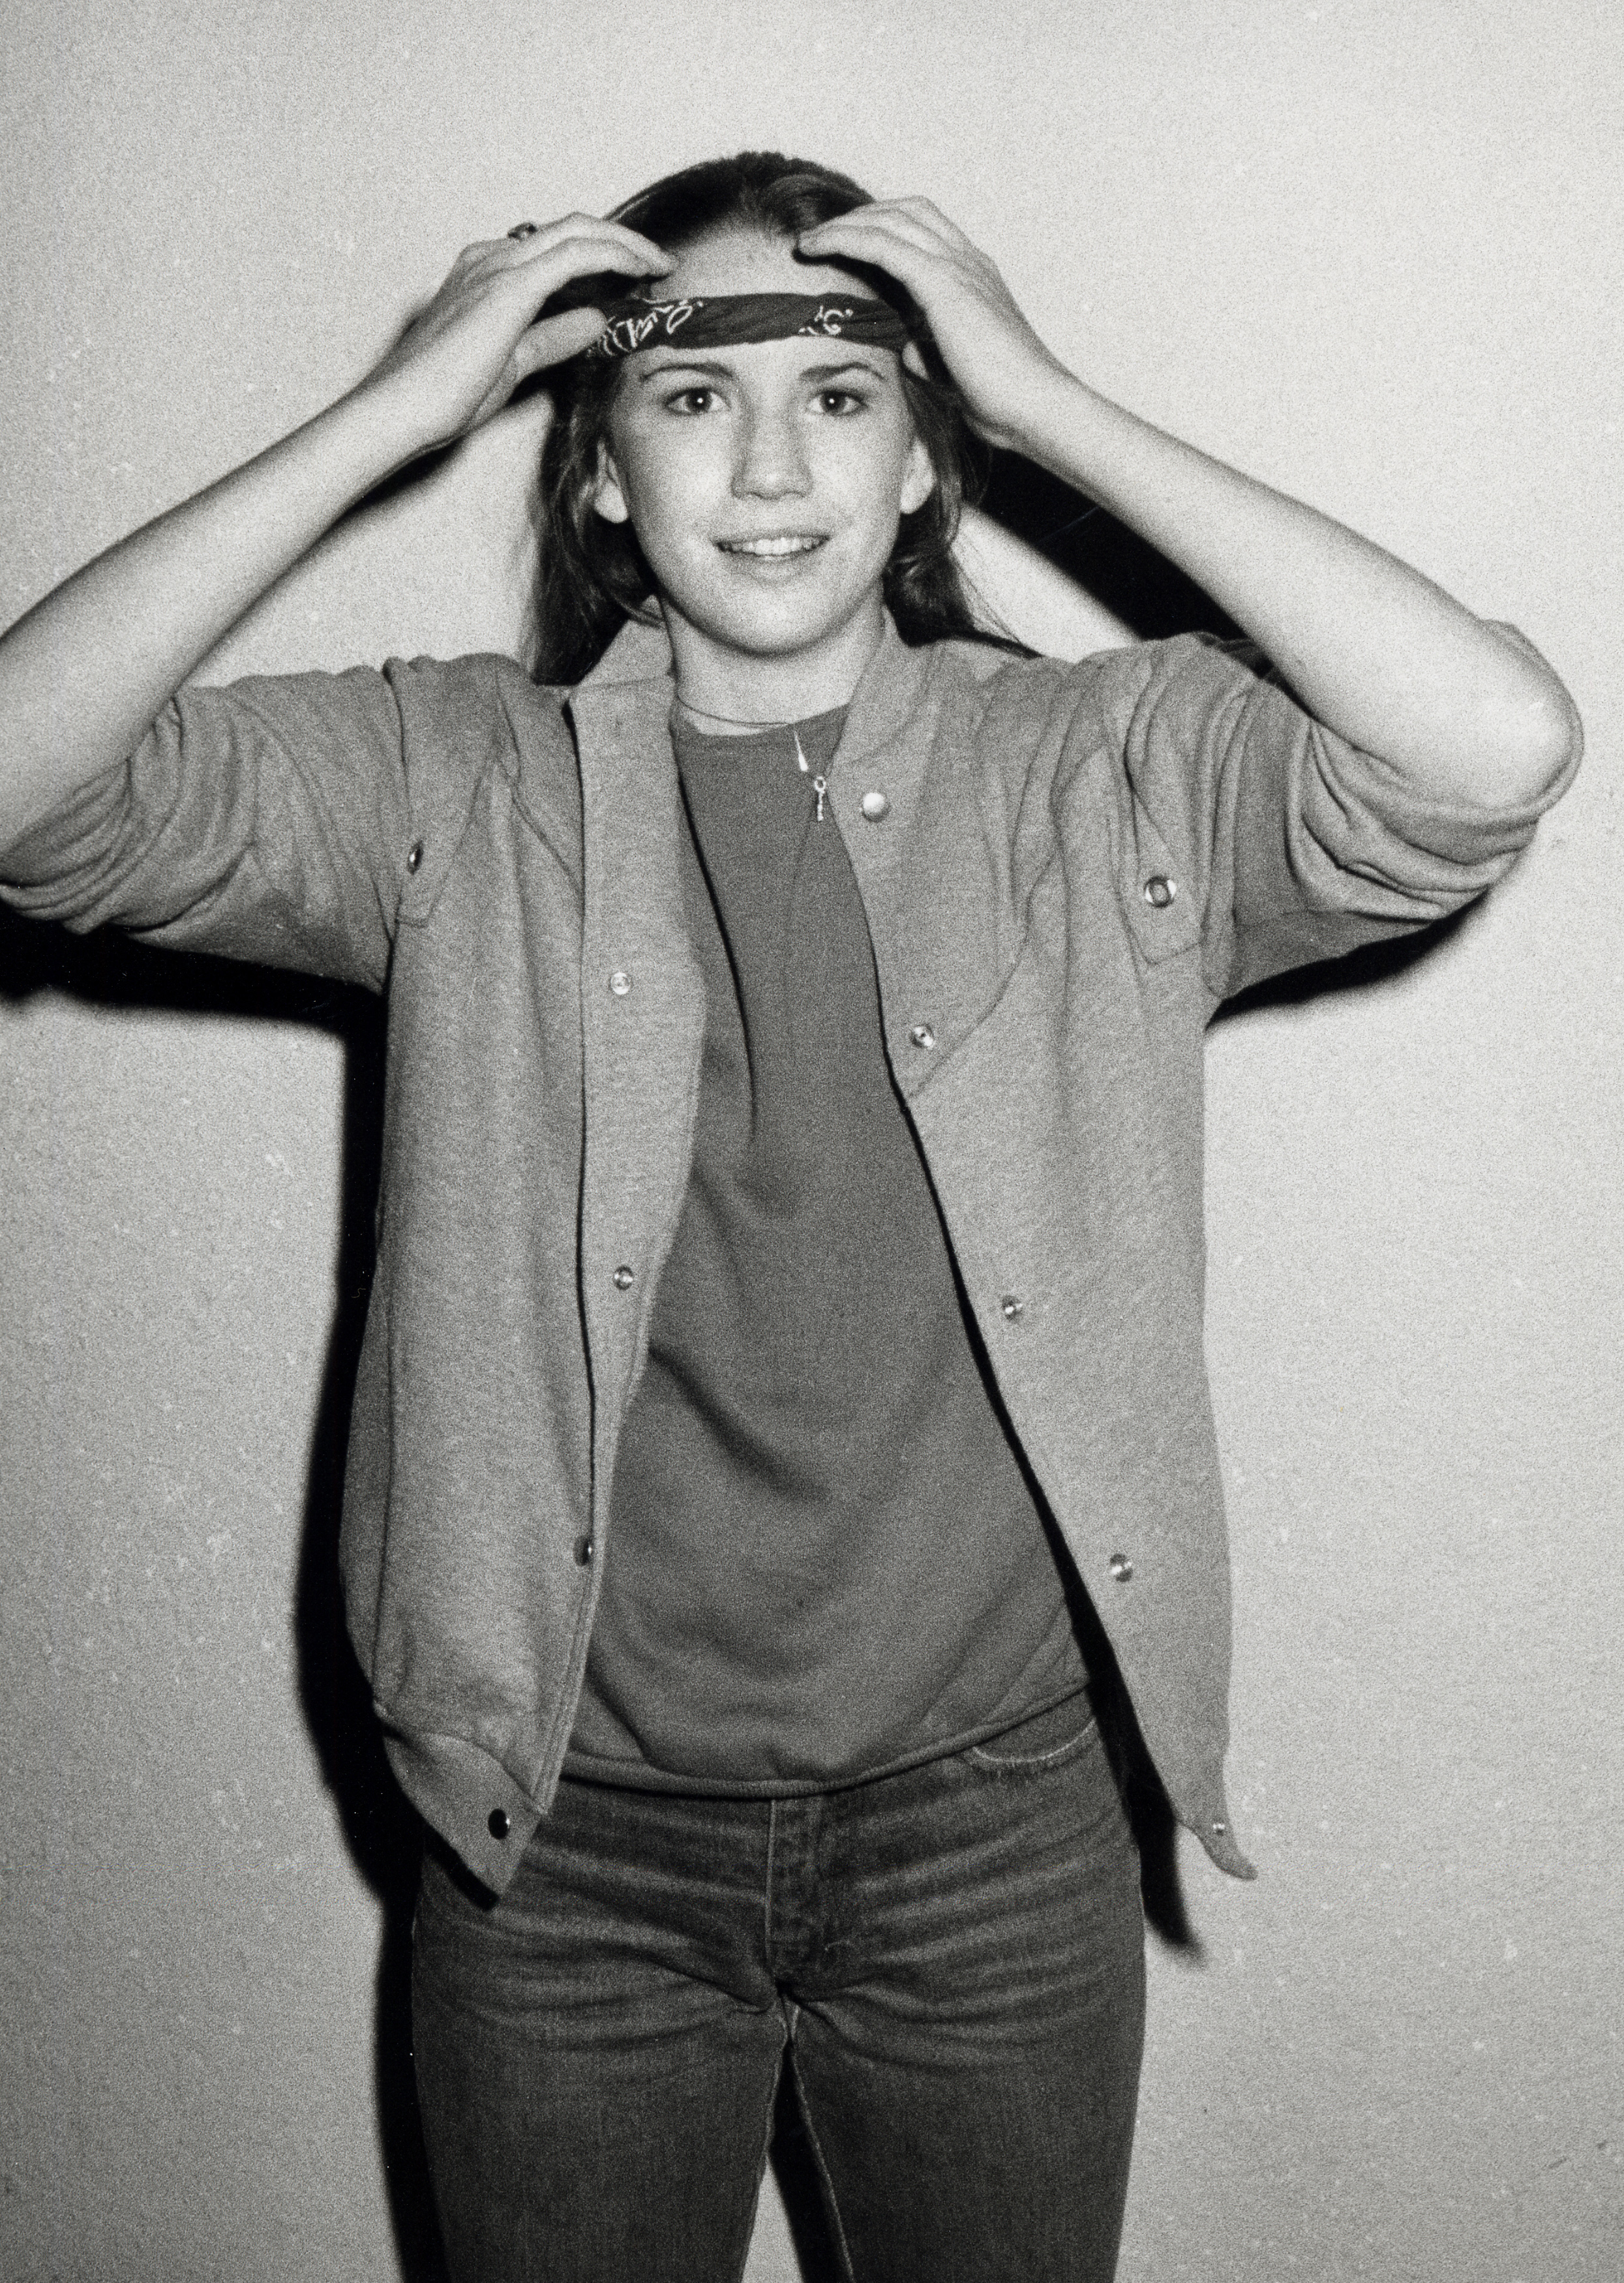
730	320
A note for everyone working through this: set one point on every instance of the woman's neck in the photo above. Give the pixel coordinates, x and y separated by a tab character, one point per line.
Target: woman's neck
737	691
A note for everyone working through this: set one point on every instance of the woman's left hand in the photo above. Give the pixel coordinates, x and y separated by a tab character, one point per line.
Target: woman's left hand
986	344
1373	649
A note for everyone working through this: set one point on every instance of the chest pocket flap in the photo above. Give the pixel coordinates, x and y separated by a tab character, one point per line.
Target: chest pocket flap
450	747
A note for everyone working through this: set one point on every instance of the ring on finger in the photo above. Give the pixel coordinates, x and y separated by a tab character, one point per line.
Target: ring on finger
523	229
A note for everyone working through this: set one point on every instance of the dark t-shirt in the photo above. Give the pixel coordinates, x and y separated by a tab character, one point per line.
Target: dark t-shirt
824	1559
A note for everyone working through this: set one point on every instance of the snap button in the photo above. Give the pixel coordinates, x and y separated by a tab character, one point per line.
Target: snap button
497	1824
583	1552
875	806
1219	1827
620	983
623	1278
923	1035
414	856
1013	1306
1122	1569
1160	891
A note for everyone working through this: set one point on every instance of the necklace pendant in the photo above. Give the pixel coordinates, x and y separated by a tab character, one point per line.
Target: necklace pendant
820	786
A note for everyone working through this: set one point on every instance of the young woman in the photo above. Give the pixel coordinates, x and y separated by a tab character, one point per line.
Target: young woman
783	1414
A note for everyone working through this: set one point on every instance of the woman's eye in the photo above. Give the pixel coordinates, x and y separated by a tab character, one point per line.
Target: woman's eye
839	401
691	400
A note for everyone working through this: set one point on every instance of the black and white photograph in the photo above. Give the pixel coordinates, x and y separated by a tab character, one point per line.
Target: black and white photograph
811	1446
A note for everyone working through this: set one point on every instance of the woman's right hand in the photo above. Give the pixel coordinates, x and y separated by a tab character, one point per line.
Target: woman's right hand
88	668
467	350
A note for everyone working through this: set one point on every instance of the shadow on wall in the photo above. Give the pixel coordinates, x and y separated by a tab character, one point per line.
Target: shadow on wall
382	1830
1097	553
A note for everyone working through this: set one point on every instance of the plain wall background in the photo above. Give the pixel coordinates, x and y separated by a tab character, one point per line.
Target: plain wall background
1368	250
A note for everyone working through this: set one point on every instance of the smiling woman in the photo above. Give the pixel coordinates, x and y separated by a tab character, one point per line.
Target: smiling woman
733	226
766	482
782	1485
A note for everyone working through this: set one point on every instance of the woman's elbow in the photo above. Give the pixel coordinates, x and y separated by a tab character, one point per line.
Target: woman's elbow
1531	745
1537	751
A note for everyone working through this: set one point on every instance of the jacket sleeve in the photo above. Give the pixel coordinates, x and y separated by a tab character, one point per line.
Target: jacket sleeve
266	821
1286	844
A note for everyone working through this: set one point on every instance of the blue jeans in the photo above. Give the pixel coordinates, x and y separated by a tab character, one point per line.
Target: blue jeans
952	1959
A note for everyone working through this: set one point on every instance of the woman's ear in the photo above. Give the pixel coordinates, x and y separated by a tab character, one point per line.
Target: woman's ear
607	497
918	477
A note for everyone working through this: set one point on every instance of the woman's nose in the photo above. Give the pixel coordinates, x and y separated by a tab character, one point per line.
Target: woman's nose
771	463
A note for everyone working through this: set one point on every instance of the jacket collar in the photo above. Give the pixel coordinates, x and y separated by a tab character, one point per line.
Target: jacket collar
890	697
638	653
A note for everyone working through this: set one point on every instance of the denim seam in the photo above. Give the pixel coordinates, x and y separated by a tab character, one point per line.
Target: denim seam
841	2245
761	2164
1017	1761
767	1890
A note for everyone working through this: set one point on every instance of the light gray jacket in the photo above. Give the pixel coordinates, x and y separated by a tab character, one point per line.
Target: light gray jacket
1064	869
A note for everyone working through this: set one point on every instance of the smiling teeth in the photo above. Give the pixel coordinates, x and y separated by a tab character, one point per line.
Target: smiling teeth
791	543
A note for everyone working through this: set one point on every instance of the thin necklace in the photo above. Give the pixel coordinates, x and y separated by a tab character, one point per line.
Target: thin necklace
819	785
728	721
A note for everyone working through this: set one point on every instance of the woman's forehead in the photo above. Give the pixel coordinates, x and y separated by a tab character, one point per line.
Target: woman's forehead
773	363
745	262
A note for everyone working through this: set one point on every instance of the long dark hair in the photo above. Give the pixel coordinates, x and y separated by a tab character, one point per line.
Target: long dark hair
592	575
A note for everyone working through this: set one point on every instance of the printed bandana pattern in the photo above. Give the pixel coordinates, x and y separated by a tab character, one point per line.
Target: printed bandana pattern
730	320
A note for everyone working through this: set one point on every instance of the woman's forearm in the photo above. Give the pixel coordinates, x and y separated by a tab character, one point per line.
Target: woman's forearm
83	675
85	671
1371	647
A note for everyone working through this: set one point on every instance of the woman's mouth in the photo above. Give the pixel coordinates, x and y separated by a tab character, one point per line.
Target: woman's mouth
777	545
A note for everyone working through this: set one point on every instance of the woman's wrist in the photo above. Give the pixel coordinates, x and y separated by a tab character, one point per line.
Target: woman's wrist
1099	447
371	432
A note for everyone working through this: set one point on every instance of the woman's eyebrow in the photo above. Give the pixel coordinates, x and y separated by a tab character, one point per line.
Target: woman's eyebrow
833	371
684	364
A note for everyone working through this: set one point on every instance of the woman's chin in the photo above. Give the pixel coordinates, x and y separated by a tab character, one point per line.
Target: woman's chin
775	612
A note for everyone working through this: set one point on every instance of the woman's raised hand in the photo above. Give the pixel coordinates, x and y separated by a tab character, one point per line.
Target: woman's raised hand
82	675
988	346
483	333
1462	711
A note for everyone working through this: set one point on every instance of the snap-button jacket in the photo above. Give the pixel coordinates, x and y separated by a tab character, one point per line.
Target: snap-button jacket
1160	891
923	1035
623	1278
1014	1307
497	1824
414	856
620	983
875	806
1122	1569
584	1550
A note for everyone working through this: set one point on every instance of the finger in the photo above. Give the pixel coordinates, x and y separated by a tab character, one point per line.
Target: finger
554	340
908	256
569	228
558	249
927	230
927	212
913	260
906	228
584	257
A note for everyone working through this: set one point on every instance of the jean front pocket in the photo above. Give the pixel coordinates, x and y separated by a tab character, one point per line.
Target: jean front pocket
1050	1739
